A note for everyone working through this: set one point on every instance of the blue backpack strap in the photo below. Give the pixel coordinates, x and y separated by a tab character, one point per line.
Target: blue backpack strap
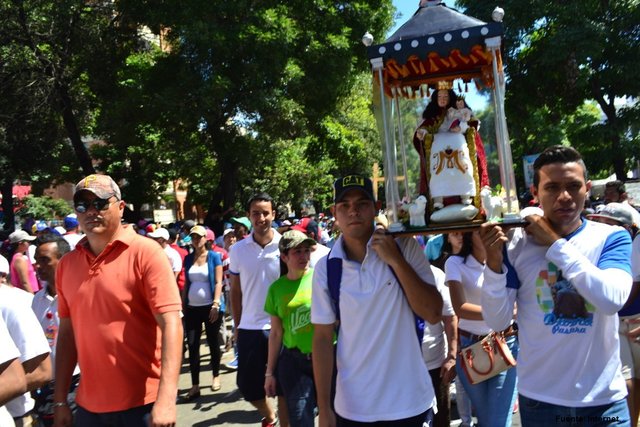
334	279
420	324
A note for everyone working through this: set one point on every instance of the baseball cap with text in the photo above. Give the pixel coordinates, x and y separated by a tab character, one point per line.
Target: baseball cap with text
102	186
342	185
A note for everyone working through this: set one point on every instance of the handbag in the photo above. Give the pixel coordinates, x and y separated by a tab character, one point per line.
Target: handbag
488	357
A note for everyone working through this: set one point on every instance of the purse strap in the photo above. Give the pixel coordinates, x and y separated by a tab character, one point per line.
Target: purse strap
486	346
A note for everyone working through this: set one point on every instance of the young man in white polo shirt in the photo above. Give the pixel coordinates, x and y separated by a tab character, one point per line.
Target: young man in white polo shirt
382	377
254	266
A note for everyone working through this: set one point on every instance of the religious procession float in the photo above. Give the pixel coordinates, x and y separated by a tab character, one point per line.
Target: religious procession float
436	55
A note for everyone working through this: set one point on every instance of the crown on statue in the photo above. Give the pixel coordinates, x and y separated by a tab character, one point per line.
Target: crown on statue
444	85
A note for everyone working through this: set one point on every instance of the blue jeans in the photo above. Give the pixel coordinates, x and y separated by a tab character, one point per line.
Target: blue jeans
295	375
535	413
492	399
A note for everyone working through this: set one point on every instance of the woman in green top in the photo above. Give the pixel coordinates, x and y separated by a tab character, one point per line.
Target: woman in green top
289	304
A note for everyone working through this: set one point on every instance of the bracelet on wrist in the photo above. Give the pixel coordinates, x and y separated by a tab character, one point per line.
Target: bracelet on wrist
59	404
268	375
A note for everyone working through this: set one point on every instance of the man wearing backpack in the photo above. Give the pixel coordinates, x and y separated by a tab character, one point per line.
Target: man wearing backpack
384	285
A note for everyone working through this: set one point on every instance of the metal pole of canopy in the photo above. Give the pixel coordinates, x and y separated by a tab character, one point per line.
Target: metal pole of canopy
391	188
502	135
403	149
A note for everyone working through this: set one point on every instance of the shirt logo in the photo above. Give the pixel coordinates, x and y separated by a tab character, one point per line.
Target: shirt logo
566	311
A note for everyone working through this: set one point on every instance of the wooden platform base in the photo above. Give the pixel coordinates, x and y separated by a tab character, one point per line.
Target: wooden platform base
452	228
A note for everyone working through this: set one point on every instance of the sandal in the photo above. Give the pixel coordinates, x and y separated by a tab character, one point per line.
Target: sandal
192	395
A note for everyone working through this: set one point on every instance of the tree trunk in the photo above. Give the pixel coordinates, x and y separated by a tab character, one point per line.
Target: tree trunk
608	107
225	196
618	158
7	204
71	126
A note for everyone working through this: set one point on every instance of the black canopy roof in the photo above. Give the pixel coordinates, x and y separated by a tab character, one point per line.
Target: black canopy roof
437	41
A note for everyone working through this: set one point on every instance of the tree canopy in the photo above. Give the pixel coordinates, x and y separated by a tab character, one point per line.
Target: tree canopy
562	60
227	96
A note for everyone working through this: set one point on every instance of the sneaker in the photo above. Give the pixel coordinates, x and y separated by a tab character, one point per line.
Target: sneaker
266	424
233	365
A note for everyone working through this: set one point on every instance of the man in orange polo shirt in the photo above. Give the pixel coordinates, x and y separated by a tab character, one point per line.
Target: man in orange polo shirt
119	313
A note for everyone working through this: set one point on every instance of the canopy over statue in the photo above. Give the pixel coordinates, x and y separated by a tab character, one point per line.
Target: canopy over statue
436	47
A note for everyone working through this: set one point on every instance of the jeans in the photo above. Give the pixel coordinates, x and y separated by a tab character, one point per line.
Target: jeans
463	404
492	399
134	417
535	413
295	375
44	401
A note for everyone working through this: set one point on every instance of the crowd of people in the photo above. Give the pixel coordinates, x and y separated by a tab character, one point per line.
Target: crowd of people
354	328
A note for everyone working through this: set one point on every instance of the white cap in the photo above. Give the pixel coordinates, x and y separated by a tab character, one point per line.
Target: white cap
20	236
160	233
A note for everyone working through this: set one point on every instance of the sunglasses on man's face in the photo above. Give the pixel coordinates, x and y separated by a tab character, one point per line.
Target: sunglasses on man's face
82	206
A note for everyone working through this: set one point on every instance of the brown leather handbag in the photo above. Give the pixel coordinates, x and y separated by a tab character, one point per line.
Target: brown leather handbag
488	357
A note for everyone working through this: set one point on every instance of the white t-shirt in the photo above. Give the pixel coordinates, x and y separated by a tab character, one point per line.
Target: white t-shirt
381	373
635	259
568	296
45	308
434	342
174	258
200	288
469	274
73	239
27	335
319	252
8	351
258	268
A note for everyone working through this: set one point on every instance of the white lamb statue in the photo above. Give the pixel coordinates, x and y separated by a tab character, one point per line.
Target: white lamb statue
492	204
416	212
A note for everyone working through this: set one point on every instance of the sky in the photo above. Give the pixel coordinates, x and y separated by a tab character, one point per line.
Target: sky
407	8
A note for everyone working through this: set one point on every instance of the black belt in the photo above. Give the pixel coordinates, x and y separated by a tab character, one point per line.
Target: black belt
298	353
511	330
469	335
24	417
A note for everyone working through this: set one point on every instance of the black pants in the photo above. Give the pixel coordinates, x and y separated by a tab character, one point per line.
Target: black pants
134	417
442	418
422	420
194	317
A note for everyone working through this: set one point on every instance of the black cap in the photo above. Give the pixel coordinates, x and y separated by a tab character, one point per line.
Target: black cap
350	182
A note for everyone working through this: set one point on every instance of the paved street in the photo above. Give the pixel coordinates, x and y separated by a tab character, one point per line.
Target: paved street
226	406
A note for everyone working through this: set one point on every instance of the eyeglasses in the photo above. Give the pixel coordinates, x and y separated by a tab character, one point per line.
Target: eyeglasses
82	206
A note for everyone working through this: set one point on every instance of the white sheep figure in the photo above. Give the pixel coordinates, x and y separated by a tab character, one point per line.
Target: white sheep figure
416	212
492	204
